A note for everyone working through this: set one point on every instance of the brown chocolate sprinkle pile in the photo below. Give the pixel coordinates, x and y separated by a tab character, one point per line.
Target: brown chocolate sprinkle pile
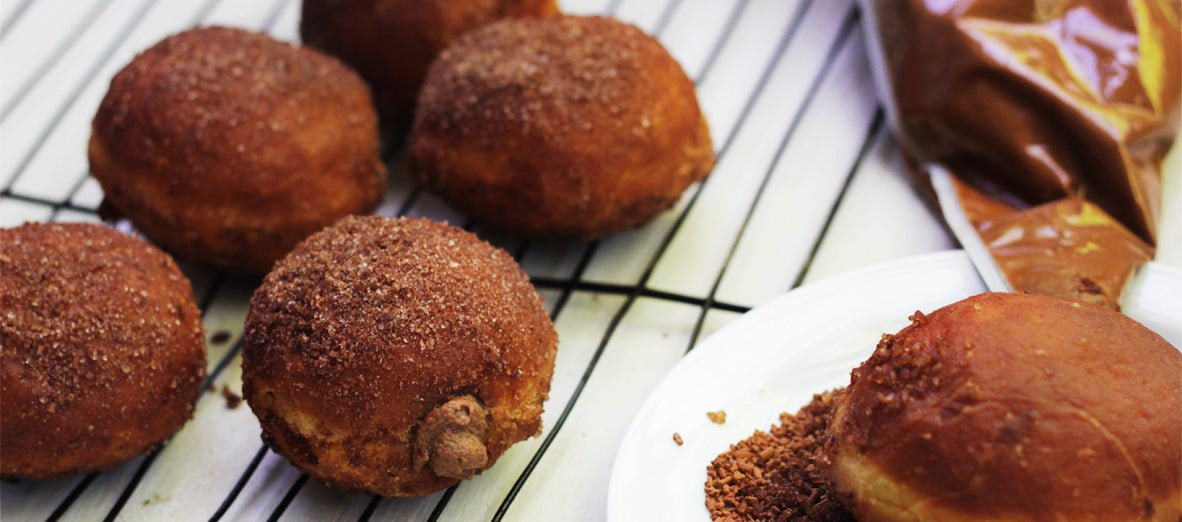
775	476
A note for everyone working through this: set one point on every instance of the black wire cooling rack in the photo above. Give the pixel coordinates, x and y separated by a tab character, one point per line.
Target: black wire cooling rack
806	185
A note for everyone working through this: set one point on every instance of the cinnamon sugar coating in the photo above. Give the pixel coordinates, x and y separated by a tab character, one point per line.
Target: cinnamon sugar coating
559	126
392	42
228	147
101	349
373	324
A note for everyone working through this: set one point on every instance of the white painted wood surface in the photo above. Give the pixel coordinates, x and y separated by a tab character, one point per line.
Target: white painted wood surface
807	185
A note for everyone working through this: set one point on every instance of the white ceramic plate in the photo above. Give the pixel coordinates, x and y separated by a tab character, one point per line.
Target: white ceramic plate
777	356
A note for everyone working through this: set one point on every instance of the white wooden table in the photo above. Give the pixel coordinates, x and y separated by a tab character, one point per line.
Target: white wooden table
808	184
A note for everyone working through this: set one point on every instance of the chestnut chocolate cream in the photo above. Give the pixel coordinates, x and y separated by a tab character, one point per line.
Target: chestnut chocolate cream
1054	114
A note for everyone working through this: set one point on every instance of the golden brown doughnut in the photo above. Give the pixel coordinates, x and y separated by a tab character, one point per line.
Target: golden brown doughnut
391	42
101	349
559	126
228	147
1013	407
396	356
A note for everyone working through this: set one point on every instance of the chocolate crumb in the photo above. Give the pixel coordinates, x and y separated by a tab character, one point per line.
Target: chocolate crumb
717	417
677	438
220	337
777	475
232	399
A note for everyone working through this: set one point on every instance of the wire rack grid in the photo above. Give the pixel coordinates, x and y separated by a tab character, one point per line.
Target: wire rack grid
807	185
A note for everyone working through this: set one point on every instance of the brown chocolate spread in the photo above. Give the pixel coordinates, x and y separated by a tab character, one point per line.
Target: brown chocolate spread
1056	114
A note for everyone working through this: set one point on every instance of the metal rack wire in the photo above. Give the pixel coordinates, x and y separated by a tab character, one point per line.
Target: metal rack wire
559	271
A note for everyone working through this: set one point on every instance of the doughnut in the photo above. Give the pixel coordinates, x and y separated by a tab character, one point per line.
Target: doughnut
227	148
1013	407
392	42
560	126
396	356
102	356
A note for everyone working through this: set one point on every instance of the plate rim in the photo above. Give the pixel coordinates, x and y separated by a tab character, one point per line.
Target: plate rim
1166	281
955	259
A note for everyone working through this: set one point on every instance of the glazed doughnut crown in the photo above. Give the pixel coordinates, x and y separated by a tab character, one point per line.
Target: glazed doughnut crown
1009	406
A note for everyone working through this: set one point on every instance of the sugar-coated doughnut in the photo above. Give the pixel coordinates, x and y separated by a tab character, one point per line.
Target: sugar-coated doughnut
560	126
391	42
396	356
101	349
228	147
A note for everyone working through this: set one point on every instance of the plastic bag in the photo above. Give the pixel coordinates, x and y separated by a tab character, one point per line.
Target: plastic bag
1054	115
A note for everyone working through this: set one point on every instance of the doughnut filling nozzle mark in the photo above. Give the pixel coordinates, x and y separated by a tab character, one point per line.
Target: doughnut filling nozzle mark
396	356
451	439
